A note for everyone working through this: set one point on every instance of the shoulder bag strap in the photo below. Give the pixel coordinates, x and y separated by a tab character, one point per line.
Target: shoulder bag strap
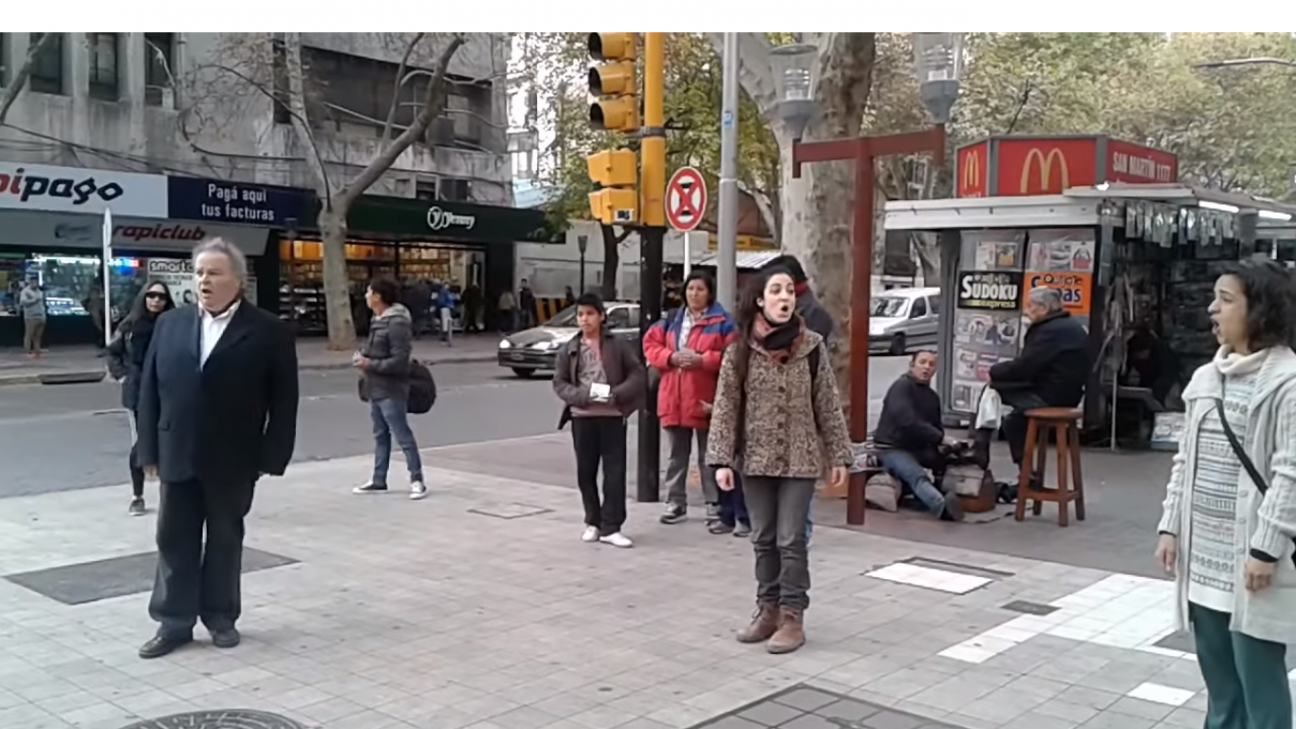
1247	464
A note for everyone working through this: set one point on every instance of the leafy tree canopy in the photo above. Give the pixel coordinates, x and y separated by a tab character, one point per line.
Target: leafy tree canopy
1233	128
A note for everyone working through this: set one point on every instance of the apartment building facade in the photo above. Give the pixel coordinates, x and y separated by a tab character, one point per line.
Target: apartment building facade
192	134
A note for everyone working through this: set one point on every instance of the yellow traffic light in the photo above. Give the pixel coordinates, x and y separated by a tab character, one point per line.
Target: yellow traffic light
612	46
615	205
615	115
614	168
614	79
615	83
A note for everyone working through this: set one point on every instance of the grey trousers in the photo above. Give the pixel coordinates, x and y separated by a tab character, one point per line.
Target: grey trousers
778	508
677	467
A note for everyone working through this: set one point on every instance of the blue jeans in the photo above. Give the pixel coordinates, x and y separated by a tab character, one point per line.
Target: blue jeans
1246	677
733	507
911	474
390	419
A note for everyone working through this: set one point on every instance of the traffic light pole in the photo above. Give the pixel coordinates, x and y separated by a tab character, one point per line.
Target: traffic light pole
652	188
727	263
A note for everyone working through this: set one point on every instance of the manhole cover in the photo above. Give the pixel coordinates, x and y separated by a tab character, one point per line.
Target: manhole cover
1030	608
221	719
512	510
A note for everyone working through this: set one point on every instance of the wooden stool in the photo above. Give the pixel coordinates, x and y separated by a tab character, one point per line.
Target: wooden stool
1063	422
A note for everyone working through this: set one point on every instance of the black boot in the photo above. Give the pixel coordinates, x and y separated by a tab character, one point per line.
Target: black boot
981	447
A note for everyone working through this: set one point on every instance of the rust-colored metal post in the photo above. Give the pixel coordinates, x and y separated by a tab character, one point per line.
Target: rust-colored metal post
860	299
863	151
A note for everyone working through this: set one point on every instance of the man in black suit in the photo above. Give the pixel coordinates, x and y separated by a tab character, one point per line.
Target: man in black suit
217	410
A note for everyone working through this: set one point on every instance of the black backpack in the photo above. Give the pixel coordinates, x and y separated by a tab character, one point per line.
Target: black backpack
423	390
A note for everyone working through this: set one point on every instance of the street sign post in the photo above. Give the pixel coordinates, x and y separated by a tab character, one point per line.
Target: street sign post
686	199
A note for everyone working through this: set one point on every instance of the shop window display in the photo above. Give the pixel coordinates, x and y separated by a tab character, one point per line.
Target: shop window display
301	289
71	283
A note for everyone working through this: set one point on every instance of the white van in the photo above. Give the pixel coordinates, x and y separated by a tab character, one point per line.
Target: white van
904	320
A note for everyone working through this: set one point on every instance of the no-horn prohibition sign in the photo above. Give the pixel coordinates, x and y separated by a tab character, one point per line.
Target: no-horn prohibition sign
686	199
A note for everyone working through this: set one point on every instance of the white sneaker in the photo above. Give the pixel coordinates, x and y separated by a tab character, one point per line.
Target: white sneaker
370	488
590	535
418	490
617	540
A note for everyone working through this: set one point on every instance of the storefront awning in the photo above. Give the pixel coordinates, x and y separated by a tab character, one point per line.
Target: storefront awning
1076	206
400	218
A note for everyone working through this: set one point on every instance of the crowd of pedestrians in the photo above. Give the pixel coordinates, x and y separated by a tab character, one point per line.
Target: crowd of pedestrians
757	396
212	391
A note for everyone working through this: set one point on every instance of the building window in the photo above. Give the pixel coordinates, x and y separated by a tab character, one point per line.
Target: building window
103	66
279	71
454	190
425	190
159	67
47	67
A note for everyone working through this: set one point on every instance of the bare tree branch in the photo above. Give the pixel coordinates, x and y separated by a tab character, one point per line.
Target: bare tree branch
432	103
396	87
763	205
24	72
1021	106
754	70
296	105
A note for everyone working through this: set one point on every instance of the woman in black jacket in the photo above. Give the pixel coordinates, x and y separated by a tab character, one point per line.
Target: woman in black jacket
126	360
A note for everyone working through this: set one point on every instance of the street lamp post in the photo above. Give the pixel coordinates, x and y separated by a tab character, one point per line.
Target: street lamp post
938	62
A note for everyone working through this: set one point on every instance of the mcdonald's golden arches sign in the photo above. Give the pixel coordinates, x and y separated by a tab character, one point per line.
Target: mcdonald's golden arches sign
1015	166
973	170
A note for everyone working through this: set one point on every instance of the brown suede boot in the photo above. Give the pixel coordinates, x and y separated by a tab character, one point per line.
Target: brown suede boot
764	622
790	634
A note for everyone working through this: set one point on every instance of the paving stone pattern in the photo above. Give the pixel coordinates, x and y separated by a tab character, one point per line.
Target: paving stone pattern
425	615
231	719
806	707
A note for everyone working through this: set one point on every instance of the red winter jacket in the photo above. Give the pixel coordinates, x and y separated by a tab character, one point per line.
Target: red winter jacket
682	392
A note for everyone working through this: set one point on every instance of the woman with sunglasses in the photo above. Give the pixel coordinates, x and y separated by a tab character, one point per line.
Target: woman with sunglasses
126	360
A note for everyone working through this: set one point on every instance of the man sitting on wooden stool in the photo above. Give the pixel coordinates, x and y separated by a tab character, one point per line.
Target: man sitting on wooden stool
910	435
1050	371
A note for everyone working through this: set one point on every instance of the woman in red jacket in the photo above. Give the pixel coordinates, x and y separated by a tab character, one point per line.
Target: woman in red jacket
686	347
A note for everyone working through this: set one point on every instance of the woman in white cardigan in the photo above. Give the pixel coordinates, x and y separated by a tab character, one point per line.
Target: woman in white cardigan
1225	537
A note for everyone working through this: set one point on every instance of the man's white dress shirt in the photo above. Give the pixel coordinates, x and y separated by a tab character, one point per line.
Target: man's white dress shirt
213	326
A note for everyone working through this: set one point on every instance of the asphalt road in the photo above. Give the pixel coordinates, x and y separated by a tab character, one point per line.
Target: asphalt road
59	438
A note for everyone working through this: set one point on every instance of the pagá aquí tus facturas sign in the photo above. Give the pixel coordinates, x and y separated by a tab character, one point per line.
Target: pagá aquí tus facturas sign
992	290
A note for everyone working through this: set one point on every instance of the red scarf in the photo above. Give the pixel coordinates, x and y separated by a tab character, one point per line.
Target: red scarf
777	341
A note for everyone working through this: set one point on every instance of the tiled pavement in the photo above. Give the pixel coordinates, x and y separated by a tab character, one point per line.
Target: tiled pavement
480	607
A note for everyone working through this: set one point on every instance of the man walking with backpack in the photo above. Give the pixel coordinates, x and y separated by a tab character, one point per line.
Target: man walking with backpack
385	366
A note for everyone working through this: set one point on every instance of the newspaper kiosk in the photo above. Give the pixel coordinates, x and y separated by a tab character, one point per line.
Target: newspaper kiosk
1135	262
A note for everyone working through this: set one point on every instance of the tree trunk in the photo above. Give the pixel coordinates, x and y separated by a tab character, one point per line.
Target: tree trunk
927	246
611	261
817	209
337	295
